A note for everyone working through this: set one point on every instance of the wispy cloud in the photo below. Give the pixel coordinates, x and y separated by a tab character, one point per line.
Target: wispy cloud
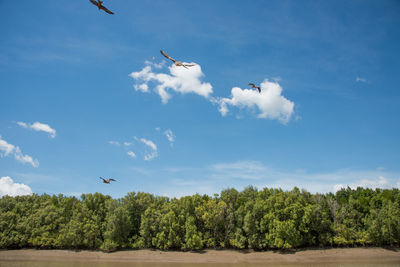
270	102
360	79
170	136
114	143
40	127
155	64
153	154
180	80
240	174
131	154
127	143
149	143
240	169
8	187
7	149
380	182
265	176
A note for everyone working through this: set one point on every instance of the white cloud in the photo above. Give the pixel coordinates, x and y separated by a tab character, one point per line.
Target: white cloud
158	128
131	154
127	143
150	156
7	149
22	124
114	143
180	80
149	143
380	182
8	187
144	88
337	187
210	179
243	173
156	65
239	169
363	80
270	102
170	136
25	158
40	127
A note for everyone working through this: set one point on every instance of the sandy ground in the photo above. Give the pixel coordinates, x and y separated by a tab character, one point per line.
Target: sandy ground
335	255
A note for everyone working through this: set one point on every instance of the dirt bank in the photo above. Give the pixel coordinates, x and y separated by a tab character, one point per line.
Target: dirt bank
335	255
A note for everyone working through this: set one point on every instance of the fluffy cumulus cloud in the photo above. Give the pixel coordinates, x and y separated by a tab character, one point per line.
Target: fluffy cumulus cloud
40	127
270	102
7	149
8	187
180	80
153	154
170	136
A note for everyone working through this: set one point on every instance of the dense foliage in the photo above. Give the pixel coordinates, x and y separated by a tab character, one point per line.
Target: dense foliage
266	219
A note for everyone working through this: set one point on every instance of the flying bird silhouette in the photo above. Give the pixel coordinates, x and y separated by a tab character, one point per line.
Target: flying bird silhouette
176	62
99	4
107	181
254	86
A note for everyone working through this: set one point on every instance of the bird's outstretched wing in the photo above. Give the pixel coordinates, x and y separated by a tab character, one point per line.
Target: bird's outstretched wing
252	84
111	179
189	65
94	2
102	178
166	55
259	89
106	10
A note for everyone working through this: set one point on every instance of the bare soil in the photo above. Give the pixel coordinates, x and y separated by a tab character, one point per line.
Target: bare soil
333	255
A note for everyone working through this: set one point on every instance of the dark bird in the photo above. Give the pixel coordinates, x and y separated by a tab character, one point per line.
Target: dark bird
254	86
176	62
99	4
107	181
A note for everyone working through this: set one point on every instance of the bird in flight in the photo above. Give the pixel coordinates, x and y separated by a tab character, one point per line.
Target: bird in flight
107	181
176	62
254	86
99	4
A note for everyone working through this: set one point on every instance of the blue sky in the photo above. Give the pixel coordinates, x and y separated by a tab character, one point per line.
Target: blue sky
82	96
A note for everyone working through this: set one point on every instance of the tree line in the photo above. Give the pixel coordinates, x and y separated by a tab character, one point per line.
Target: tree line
255	219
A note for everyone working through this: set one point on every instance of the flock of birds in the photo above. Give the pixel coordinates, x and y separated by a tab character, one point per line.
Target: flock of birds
177	63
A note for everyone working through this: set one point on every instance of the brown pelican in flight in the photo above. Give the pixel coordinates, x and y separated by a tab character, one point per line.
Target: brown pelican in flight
176	62
107	181
99	4
254	86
